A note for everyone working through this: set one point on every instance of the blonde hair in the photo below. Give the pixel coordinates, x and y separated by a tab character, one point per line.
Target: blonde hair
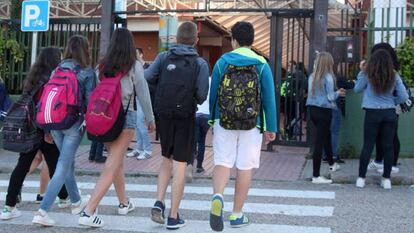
323	66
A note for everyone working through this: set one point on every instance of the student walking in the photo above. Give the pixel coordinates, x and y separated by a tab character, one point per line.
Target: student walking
383	89
182	84
321	100
242	107
76	78
119	64
38	75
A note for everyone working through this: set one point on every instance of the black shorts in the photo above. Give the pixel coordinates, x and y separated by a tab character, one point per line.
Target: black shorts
177	138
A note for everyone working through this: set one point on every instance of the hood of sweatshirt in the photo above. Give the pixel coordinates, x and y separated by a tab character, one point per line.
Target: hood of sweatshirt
243	57
181	49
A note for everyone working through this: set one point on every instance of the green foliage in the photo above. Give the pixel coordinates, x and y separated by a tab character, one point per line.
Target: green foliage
348	151
9	46
405	53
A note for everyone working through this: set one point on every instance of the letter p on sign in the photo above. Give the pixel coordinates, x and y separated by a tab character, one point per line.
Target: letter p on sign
35	15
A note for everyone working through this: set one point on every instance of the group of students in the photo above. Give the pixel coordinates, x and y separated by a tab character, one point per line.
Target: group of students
383	95
241	103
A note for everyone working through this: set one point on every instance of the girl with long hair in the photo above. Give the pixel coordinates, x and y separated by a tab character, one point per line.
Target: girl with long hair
321	100
77	59
38	75
120	57
383	90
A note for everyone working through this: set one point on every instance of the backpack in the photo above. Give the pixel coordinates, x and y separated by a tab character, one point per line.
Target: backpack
20	133
174	97
239	98
59	106
408	104
105	116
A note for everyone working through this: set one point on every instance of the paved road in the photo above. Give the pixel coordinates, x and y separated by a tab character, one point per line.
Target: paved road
282	207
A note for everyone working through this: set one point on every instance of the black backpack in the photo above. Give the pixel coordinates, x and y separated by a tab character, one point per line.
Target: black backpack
174	97
20	133
239	98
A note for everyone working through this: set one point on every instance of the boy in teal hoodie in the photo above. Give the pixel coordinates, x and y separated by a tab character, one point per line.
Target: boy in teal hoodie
239	143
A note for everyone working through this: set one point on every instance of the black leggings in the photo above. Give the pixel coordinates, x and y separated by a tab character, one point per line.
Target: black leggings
378	123
321	118
396	143
51	155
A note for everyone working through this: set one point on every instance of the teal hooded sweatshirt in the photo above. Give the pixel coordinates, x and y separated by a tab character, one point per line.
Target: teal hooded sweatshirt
246	57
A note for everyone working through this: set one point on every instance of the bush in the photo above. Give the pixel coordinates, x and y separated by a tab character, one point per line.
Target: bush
348	151
405	53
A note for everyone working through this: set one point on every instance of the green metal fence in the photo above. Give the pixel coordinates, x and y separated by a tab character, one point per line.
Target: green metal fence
60	30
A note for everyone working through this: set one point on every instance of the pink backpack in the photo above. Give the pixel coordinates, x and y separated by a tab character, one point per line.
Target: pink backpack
59	106
105	116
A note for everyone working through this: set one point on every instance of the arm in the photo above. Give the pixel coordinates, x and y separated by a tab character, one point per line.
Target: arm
330	88
90	83
268	98
142	92
215	81
402	94
202	82
361	83
154	69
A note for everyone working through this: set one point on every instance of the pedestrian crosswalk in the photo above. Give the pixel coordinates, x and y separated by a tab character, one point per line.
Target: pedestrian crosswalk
196	201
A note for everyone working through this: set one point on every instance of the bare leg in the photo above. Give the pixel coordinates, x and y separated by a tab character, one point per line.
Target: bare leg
243	181
221	176
44	178
164	178
119	183
177	186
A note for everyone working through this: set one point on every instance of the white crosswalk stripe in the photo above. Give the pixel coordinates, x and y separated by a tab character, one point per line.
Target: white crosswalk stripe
130	223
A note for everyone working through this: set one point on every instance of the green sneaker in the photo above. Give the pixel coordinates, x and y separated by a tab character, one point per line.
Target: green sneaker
239	222
216	214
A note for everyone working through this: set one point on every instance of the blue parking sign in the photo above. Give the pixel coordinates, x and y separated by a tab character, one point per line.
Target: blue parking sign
35	15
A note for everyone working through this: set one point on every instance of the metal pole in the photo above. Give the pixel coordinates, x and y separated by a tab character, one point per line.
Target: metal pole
34	48
107	22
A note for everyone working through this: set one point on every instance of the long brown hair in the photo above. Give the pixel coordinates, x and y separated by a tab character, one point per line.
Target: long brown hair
46	62
380	70
121	55
323	66
78	49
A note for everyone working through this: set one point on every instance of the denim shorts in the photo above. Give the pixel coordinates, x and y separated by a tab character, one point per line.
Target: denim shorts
130	120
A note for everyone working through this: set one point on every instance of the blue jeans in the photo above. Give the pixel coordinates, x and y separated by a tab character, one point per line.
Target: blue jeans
335	130
67	142
143	139
201	130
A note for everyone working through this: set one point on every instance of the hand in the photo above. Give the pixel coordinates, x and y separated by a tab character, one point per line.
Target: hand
151	127
341	92
363	65
48	138
269	137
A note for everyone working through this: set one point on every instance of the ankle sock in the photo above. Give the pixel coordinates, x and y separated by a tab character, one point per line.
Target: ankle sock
219	194
238	215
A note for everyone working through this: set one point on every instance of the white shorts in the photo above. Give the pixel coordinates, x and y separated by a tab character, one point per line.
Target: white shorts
240	147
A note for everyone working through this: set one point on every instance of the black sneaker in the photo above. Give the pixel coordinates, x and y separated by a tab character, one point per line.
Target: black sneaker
174	224
324	160
101	159
157	212
200	170
91	158
39	199
339	161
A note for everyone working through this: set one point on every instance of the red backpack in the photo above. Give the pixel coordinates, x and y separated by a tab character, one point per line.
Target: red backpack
59	105
105	116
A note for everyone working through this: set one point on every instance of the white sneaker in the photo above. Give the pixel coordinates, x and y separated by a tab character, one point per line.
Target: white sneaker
360	182
393	170
374	165
386	183
143	156
133	153
125	209
78	207
64	203
189	174
9	213
335	167
91	221
42	218
321	180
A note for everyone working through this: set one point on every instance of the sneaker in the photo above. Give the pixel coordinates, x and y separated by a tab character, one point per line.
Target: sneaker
339	161
9	213
79	206
321	180
133	153
143	156
386	183
360	182
64	203
125	209
189	174
91	158
175	223
42	218
373	165
200	170
238	222
101	159
91	221
39	198
393	170
216	213
335	167
157	212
